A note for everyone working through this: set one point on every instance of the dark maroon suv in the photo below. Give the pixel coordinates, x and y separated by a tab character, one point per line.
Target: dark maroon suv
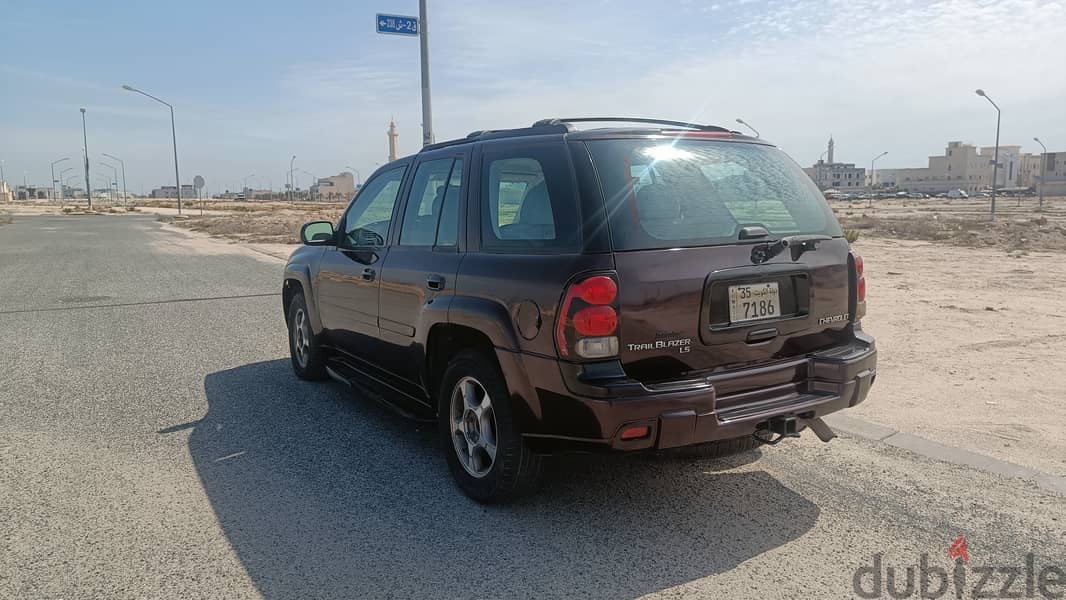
549	289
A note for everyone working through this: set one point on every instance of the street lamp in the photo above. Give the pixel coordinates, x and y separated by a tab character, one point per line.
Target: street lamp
870	188
995	155
54	163
358	177
61	179
174	137
1043	169
748	125
114	172
85	149
244	186
292	183
314	182
125	197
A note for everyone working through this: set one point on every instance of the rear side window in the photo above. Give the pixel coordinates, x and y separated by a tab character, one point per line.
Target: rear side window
527	200
677	193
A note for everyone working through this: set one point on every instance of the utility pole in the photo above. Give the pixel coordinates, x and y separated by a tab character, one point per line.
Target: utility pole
85	147
423	39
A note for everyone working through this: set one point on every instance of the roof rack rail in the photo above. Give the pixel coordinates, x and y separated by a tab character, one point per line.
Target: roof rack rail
483	134
696	126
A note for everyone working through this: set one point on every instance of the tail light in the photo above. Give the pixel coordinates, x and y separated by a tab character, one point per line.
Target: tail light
860	289
860	280
588	319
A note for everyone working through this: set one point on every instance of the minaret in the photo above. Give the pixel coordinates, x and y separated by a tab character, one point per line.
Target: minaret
830	149
392	140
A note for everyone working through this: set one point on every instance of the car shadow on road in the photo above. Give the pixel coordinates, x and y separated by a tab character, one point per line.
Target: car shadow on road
324	494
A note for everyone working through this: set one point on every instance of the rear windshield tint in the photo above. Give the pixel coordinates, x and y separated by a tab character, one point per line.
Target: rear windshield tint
679	192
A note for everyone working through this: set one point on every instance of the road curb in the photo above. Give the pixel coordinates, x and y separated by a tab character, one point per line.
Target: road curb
859	428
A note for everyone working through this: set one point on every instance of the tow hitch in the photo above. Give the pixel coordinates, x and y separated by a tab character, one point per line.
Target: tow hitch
788	427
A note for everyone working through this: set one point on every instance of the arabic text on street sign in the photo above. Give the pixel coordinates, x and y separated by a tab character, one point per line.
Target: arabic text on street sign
397	24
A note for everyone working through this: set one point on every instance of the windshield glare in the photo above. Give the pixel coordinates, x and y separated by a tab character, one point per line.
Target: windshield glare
676	193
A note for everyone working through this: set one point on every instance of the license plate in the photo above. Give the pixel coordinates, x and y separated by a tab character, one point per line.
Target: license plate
753	302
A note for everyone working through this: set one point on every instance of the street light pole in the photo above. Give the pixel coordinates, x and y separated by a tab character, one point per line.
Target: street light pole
125	197
870	188
85	147
1043	169
53	167
995	154
62	180
174	137
244	186
423	40
358	176
746	124
114	173
314	183
292	182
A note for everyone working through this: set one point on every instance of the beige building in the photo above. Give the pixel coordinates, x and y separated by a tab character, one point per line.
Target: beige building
962	166
339	187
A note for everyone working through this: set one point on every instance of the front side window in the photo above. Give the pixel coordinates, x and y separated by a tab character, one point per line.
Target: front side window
367	221
425	203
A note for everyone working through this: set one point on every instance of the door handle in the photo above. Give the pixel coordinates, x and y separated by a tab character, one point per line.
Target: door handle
435	282
369	274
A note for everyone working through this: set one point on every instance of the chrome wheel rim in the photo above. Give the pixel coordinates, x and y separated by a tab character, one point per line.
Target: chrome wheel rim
473	427
301	337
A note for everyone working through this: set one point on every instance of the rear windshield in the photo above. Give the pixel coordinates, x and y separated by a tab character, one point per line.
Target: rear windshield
682	192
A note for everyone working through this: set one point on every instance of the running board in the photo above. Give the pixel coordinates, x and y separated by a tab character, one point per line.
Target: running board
351	377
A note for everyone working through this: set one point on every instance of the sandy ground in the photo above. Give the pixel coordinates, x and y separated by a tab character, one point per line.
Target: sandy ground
972	347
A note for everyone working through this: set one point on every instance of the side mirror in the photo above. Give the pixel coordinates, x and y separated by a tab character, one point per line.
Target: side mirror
317	233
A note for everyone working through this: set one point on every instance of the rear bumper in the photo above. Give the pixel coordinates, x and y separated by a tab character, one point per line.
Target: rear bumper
587	407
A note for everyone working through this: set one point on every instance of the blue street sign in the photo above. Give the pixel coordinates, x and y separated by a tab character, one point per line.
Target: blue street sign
397	24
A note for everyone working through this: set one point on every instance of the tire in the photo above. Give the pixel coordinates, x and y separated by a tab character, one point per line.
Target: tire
469	426
308	356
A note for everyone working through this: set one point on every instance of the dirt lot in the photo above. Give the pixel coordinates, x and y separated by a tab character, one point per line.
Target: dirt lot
261	222
1019	224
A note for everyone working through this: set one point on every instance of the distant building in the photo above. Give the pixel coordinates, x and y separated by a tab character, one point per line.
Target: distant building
828	174
169	191
962	166
338	187
32	192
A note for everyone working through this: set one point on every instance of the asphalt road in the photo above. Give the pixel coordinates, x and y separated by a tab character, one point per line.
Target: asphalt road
155	444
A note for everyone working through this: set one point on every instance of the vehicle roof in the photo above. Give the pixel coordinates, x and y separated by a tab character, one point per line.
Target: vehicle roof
565	129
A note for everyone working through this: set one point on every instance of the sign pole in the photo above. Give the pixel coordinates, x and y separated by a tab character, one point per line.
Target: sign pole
412	26
427	109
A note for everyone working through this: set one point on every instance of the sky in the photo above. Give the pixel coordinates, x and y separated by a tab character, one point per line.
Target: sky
253	83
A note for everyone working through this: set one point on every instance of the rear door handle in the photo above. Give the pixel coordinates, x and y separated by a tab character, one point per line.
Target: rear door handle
435	282
369	274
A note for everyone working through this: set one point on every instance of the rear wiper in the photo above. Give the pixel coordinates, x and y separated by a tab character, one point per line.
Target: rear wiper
798	244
